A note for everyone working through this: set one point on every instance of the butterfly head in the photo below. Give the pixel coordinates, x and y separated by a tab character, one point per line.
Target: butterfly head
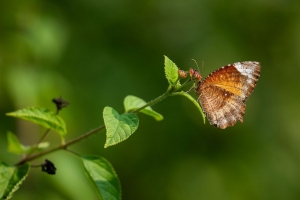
195	75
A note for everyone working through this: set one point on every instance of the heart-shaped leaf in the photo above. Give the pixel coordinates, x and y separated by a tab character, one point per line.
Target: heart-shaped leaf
118	127
103	177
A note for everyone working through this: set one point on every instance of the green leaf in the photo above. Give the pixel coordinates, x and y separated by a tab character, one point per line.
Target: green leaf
118	127
14	146
132	103
11	178
171	71
193	101
43	117
103	177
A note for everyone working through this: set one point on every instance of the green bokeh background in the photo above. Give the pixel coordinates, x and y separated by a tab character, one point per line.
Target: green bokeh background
95	52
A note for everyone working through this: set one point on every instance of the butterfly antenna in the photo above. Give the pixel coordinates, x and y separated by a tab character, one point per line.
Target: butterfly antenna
196	64
199	77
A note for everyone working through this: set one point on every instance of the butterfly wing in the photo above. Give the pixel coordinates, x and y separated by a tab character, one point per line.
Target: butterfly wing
223	93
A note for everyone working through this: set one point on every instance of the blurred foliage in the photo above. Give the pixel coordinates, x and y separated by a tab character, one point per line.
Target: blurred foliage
94	53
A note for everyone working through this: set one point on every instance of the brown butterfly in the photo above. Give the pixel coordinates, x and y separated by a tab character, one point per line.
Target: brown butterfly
222	94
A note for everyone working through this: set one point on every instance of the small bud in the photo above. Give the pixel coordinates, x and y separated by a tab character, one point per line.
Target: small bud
60	103
182	73
192	72
48	167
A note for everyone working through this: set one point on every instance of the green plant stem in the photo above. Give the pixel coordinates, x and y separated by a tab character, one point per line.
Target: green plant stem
62	146
154	101
169	92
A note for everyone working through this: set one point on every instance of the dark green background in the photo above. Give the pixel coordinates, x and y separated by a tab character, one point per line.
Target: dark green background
95	52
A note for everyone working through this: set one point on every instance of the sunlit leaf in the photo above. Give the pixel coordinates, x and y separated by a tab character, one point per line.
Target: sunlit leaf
11	178
132	103
43	117
193	101
103	177
171	71
118	127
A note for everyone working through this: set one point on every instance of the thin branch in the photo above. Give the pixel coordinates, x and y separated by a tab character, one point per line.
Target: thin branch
62	146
